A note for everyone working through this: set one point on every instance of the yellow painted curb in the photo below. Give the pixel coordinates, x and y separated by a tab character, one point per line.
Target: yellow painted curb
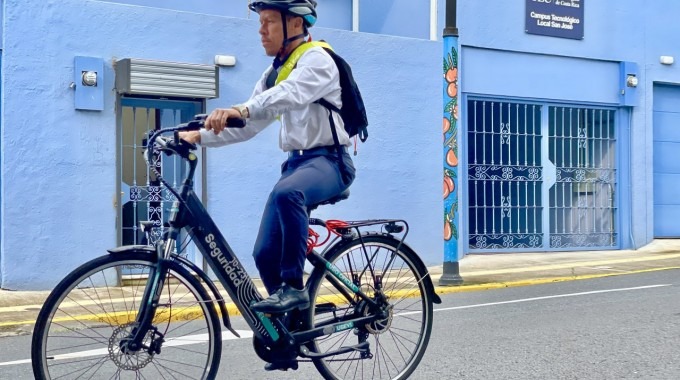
536	281
188	313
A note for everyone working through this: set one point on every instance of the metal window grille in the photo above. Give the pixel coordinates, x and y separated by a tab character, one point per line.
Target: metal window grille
504	175
144	199
582	203
540	177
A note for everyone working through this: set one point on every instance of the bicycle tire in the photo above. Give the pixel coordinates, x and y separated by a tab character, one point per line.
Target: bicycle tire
89	315
407	330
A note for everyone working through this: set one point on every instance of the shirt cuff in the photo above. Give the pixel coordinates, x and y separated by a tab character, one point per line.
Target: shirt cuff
210	139
253	110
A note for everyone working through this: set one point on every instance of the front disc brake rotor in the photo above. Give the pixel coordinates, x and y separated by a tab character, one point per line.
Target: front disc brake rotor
131	361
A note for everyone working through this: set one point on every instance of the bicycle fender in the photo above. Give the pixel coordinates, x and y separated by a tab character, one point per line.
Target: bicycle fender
429	285
133	249
420	265
216	293
126	249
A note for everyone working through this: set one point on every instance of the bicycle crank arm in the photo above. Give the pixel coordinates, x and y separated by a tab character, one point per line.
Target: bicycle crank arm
361	347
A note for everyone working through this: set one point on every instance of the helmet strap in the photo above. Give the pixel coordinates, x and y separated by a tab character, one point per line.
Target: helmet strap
280	58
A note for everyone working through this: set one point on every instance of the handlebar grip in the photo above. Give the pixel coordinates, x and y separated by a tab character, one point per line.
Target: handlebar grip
199	122
236	122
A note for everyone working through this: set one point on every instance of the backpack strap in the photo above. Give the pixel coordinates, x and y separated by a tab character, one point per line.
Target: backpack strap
291	63
295	56
288	67
336	140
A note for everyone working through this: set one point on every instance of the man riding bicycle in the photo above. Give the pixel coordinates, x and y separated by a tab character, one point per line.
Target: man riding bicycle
312	172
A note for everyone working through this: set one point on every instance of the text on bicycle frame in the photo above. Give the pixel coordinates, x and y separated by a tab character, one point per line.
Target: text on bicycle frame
233	268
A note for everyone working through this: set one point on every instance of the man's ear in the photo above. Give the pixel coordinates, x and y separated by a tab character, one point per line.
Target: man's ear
298	23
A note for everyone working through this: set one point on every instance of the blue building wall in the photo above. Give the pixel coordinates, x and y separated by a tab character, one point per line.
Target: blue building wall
59	169
499	58
59	165
339	9
404	18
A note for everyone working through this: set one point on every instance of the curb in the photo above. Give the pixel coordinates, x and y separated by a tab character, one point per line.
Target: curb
232	310
538	281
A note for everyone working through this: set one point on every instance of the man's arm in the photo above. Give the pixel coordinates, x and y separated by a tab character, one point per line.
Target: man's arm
215	133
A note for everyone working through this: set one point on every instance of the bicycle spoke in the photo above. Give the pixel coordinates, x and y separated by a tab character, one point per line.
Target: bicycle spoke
94	288
396	343
102	361
184	375
64	362
161	373
178	348
70	373
177	322
80	322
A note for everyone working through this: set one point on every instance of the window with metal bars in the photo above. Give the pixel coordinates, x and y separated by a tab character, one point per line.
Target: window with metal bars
540	176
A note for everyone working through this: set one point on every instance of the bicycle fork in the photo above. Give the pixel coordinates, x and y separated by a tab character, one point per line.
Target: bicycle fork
150	302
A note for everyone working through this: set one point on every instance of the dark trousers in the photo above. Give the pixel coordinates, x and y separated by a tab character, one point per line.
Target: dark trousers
281	244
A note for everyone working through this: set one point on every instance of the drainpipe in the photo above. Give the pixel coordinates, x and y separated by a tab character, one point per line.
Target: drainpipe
451	269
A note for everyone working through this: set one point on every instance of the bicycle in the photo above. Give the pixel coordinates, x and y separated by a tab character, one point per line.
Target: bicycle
370	314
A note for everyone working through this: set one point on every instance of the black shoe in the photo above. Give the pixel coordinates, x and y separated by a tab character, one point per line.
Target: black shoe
283	365
285	299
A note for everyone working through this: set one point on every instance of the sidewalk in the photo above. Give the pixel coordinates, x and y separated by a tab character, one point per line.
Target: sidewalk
488	271
479	272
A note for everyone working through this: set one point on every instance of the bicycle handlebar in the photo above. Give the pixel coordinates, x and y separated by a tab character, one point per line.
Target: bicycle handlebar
178	146
194	125
199	121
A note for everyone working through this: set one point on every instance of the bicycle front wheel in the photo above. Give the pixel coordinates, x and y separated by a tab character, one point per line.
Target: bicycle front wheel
80	329
387	273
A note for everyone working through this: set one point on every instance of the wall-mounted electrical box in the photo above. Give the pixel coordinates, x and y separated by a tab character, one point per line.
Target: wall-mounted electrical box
88	83
628	83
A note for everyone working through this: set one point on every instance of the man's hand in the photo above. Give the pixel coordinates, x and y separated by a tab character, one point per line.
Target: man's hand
193	137
217	120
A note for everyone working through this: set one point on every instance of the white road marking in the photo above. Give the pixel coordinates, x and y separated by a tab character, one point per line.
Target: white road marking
171	342
226	335
551	297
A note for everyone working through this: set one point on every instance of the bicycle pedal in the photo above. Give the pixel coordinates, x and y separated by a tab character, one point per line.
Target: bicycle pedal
282	366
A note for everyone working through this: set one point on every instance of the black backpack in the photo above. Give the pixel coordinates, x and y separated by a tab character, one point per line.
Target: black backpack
353	111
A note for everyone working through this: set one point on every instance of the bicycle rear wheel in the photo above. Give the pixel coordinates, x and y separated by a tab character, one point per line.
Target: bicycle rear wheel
384	273
79	330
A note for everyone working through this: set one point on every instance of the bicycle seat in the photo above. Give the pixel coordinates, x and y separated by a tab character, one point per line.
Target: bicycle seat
340	197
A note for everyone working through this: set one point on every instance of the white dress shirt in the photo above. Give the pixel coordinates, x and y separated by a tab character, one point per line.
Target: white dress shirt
304	124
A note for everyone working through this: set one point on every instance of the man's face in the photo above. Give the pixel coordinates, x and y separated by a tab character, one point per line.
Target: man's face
271	31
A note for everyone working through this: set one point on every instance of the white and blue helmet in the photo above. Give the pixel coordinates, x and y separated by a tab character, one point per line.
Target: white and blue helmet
302	8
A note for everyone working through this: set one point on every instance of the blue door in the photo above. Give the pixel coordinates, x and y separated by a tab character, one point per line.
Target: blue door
666	160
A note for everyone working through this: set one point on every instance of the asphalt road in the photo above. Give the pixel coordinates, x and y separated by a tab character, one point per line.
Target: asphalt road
623	327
